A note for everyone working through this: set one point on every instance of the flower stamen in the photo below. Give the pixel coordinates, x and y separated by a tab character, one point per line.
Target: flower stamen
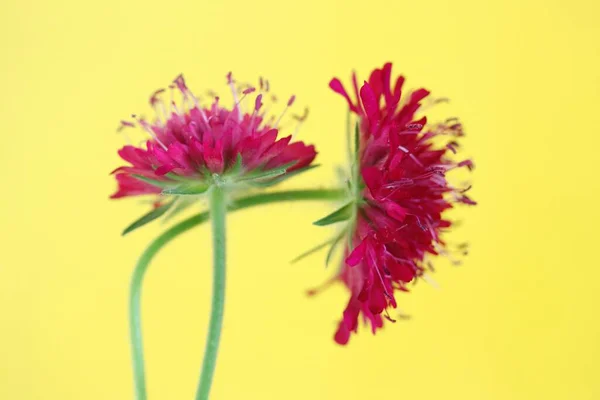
288	105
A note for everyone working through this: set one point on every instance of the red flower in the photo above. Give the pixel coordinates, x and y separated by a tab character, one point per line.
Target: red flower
191	146
400	193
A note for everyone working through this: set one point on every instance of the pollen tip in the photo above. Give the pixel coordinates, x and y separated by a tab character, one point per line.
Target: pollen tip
389	318
125	124
291	100
258	102
302	117
154	97
180	83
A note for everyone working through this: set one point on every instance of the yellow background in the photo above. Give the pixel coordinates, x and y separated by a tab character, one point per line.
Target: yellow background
519	320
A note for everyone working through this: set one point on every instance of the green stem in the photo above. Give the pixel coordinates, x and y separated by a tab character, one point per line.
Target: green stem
218	210
135	323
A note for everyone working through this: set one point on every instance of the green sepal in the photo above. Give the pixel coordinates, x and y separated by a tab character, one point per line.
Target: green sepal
357	144
149	217
333	246
342	214
284	177
190	188
153	182
351	228
311	251
260	174
237	168
348	137
179	178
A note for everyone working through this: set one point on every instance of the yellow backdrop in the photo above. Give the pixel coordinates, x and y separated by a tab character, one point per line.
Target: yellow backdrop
518	320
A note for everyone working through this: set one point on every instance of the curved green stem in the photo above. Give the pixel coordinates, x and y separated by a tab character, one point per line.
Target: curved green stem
218	211
135	323
135	294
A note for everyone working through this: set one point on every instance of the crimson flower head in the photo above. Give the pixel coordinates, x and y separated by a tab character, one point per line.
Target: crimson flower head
397	193
192	146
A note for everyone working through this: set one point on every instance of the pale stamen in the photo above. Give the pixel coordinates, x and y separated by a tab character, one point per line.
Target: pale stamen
233	93
121	129
257	105
320	288
300	120
158	105
427	278
148	129
172	102
288	105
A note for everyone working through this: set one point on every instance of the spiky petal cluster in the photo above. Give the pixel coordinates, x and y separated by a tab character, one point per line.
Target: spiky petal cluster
403	195
193	143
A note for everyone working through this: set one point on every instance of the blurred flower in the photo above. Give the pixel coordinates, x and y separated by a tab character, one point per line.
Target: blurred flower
397	192
192	146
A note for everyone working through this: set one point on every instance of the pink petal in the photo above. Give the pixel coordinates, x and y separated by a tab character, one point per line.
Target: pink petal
357	255
373	178
342	335
395	211
369	102
418	95
164	169
337	87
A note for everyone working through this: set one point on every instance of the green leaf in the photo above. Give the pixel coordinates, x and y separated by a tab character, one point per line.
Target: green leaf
147	218
191	188
270	173
333	246
284	177
311	251
153	182
342	214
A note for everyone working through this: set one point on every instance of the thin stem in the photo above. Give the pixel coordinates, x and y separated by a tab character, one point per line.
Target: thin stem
135	295
218	210
135	323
